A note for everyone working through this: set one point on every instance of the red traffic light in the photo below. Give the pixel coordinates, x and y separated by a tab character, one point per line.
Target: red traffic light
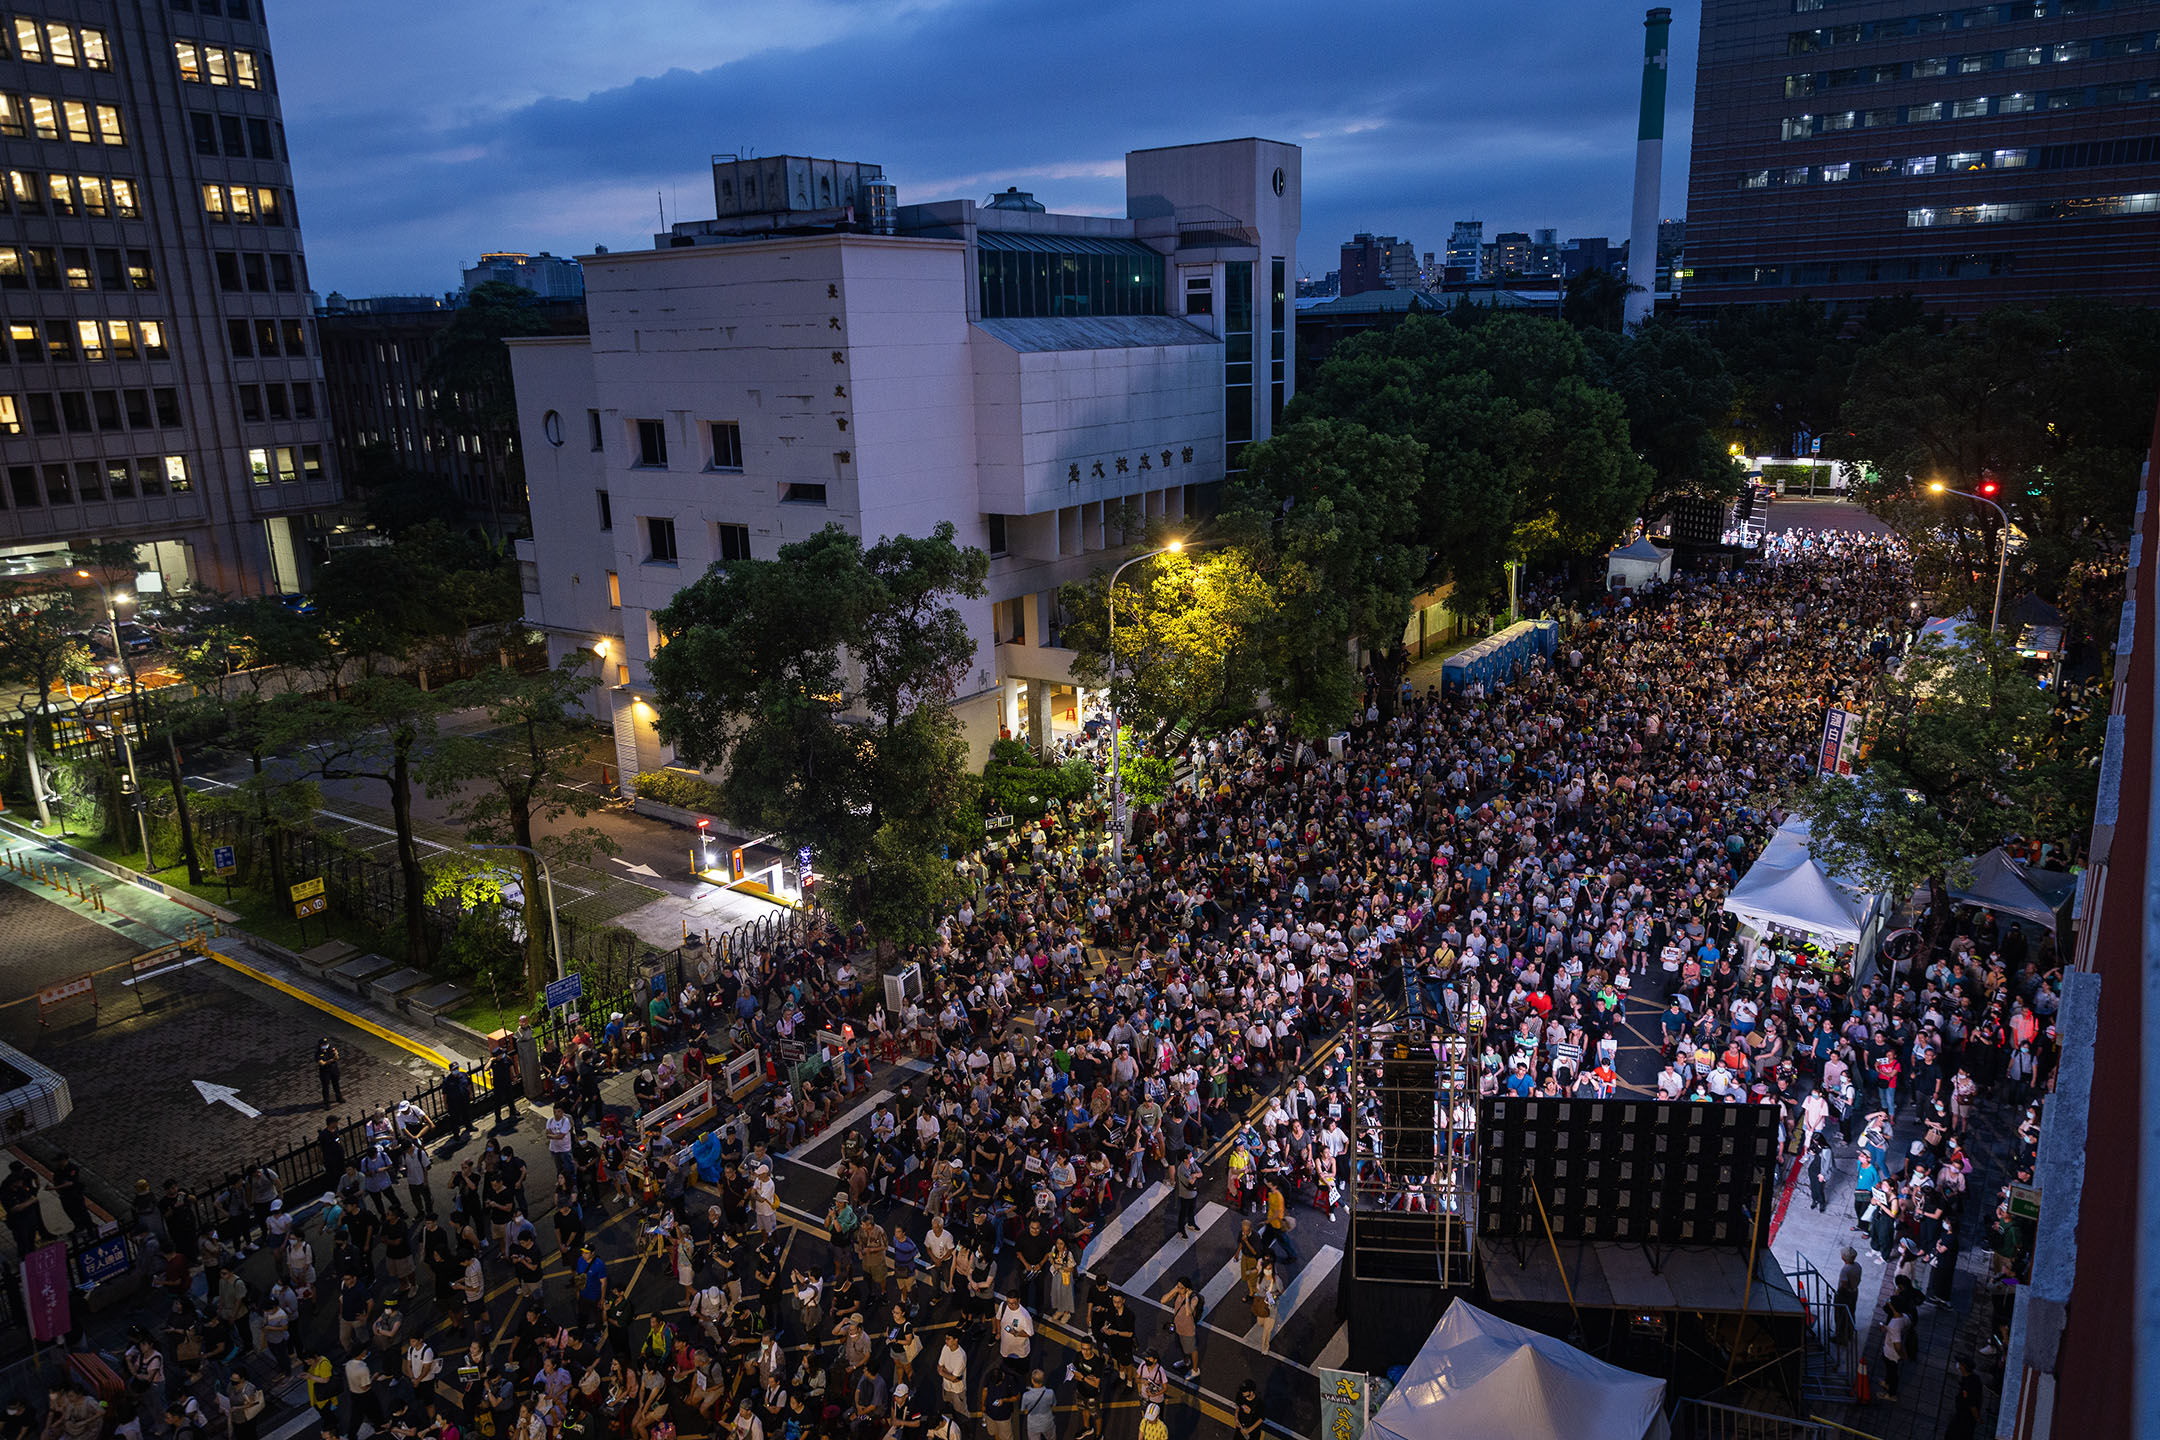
1988	487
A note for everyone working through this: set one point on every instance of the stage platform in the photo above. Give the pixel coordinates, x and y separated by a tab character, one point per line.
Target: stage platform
1610	1275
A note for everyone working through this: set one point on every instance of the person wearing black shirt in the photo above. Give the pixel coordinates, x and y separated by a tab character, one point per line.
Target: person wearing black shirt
525	1263
333	1151
1249	1415
1086	1372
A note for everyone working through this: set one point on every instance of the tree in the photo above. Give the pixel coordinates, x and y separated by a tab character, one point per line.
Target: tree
40	647
511	781
430	598
1192	638
1964	752
1678	397
1789	365
1527	454
2052	404
1325	501
469	372
821	682
398	500
1596	300
377	731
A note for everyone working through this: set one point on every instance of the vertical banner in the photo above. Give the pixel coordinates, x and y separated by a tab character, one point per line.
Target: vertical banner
45	1290
1833	752
1347	1400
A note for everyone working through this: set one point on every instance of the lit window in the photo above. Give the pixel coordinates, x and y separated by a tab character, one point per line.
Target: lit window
242	203
44	118
28	44
614	590
2012	159
2014	104
1918	218
78	121
1841	120
1967	160
1920	165
259	466
1915	114
1929	68
97	55
213	199
61	41
122	333
123	199
244	69
268	206
10	417
1968	109
108	124
1797	127
11	118
91	336
214	66
1972	64
61	190
153	339
176	476
1832	174
2072	50
92	192
189	58
1755	180
288	465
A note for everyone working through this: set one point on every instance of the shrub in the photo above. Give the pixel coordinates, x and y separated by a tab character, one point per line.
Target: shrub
679	788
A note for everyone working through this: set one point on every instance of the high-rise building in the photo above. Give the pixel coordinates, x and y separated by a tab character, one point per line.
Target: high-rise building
1584	253
160	384
390	411
1993	154
1466	249
551	277
1511	252
823	355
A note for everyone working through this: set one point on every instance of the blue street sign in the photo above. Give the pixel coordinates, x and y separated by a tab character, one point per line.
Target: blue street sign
223	860
102	1261
564	991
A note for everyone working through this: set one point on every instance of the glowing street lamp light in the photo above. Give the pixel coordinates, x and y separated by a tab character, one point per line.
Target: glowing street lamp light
1985	495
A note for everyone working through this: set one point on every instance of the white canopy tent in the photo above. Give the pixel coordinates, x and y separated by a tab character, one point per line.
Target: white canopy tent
1787	889
1635	565
1480	1378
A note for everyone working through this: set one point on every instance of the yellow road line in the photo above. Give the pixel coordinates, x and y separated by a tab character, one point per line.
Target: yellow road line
425	1052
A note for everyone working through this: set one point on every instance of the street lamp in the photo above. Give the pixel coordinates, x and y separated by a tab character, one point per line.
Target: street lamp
127	751
1117	768
1987	490
547	883
1514	571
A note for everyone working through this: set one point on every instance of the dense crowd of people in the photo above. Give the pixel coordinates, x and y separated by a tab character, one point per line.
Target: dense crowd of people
1534	874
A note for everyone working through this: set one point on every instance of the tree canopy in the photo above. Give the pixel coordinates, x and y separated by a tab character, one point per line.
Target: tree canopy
1965	750
1527	452
820	682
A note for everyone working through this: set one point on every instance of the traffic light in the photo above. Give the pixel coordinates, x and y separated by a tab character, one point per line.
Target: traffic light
1988	488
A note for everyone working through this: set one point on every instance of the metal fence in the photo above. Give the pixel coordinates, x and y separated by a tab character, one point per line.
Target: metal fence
1709	1420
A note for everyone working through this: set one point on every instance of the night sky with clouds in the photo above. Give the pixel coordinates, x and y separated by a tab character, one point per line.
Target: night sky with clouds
424	132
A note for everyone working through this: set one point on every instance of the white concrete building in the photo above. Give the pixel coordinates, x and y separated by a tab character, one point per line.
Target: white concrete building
833	357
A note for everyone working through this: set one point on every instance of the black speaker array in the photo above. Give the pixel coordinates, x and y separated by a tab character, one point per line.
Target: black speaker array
1685	1173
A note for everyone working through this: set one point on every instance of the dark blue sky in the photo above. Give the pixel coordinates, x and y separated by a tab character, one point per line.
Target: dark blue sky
425	132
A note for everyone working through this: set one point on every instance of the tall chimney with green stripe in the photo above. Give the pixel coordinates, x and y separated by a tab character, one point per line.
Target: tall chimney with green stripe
1649	166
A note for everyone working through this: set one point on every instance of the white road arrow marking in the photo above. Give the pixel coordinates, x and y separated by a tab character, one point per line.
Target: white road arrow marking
635	869
212	1094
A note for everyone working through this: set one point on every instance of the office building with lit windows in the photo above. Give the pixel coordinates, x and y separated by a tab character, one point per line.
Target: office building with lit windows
159	383
1976	156
819	354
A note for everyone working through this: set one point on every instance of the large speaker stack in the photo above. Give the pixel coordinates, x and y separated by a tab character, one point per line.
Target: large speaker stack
1639	1172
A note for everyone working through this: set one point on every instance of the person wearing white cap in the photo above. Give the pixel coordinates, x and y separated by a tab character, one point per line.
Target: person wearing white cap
764	1200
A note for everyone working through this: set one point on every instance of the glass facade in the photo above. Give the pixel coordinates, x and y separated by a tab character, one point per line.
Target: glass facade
1278	303
1237	362
1028	277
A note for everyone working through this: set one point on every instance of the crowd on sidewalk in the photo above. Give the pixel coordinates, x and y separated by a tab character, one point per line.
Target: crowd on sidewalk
1516	865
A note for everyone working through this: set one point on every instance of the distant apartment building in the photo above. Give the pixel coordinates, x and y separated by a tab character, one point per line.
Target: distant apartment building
1466	249
1511	252
160	384
1981	155
1378	262
819	354
387	407
551	277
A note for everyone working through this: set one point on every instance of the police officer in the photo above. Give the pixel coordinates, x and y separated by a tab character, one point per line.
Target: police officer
326	1071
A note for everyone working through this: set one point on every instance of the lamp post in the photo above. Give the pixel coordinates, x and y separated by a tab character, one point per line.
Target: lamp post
127	750
547	884
1514	572
2003	562
1117	768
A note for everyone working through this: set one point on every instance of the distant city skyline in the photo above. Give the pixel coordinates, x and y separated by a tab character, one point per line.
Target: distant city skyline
416	147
